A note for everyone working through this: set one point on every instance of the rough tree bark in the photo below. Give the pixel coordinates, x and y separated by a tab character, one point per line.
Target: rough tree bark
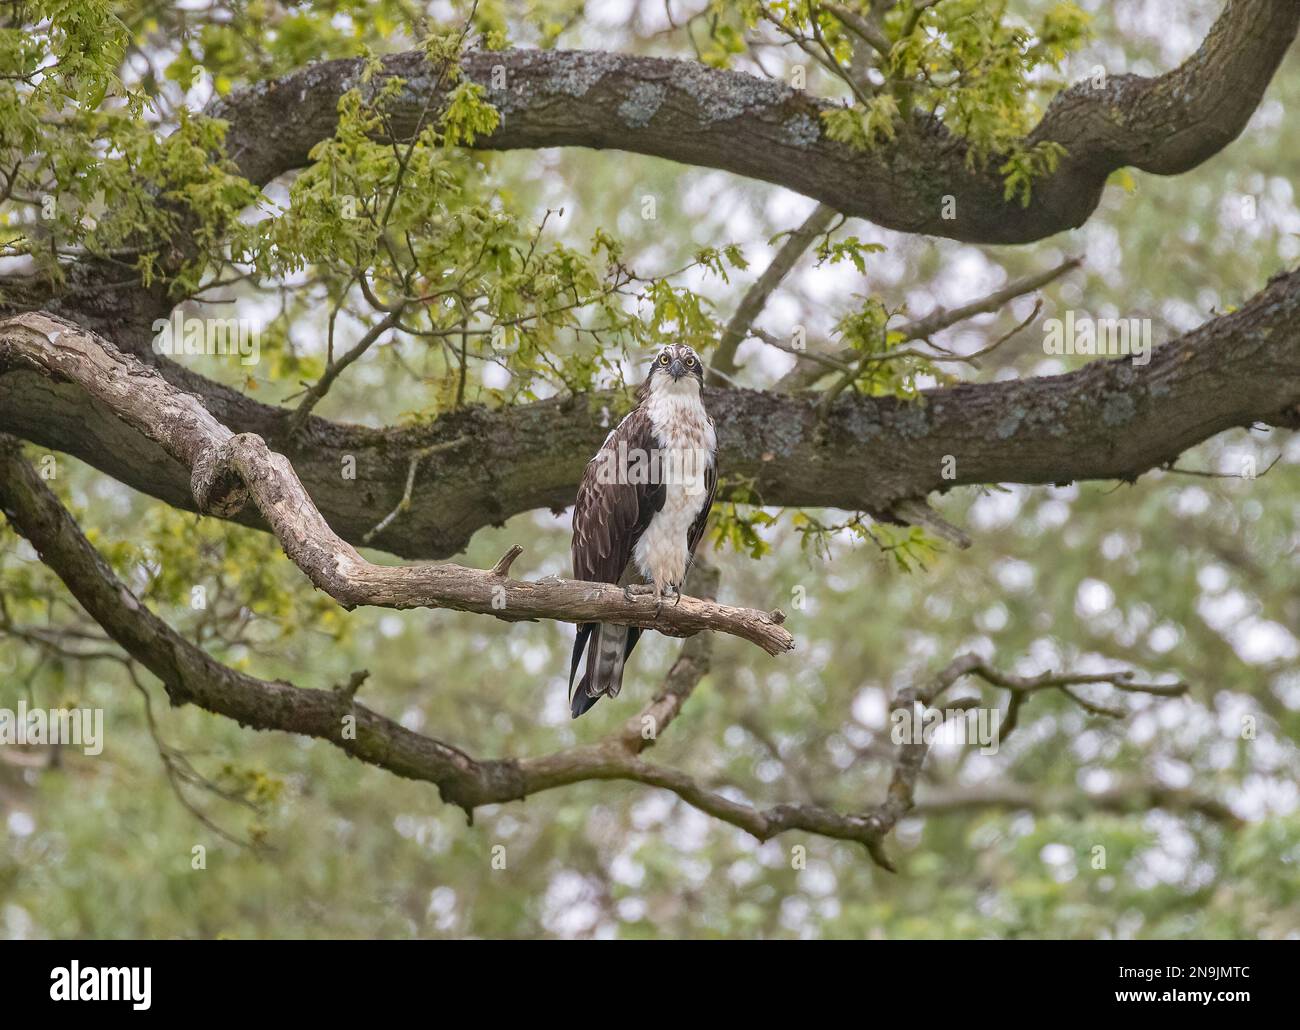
765	130
1107	421
1110	420
228	470
190	676
197	444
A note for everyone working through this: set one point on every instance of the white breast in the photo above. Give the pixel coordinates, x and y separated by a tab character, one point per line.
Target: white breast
690	446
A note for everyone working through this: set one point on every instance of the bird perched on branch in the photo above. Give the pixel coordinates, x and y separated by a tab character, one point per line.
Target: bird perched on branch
641	510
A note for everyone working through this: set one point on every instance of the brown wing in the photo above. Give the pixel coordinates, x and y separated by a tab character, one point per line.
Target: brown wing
609	517
696	533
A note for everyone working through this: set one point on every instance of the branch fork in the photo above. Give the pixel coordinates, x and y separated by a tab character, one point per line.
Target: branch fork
228	471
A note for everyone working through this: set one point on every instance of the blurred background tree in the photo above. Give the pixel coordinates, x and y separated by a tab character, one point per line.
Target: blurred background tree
1181	575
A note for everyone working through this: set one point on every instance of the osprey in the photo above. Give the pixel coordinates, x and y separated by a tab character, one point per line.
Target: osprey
641	510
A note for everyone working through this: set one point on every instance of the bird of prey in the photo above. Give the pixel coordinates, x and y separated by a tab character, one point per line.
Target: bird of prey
641	510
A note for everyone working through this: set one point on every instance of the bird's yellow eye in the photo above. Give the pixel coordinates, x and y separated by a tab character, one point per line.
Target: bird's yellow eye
690	362
663	358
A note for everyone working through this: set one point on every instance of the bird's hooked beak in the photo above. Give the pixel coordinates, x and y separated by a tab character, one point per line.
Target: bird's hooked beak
676	369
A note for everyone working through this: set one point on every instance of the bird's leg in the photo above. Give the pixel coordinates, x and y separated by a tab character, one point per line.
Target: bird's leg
661	591
664	590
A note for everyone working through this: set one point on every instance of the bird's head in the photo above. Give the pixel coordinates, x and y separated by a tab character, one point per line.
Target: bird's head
676	368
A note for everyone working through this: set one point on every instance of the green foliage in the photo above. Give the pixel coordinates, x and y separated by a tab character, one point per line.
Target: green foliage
738	527
1027	164
969	64
972	64
103	847
907	547
865	125
850	248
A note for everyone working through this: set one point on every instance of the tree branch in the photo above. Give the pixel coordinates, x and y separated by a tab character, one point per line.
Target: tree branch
687	112
759	128
190	676
1111	419
1121	799
228	470
751	305
813	366
335	367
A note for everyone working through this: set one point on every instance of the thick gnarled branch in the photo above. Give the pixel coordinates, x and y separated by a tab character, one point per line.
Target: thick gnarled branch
228	470
763	129
1112	419
191	676
921	182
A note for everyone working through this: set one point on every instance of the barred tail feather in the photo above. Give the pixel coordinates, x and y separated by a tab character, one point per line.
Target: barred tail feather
607	649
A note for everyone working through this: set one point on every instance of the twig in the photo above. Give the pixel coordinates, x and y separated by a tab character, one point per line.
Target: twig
298	417
191	676
916	512
755	299
1205	474
801	376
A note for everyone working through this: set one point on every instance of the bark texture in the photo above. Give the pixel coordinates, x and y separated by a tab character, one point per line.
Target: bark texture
763	129
190	676
1112	419
229	470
